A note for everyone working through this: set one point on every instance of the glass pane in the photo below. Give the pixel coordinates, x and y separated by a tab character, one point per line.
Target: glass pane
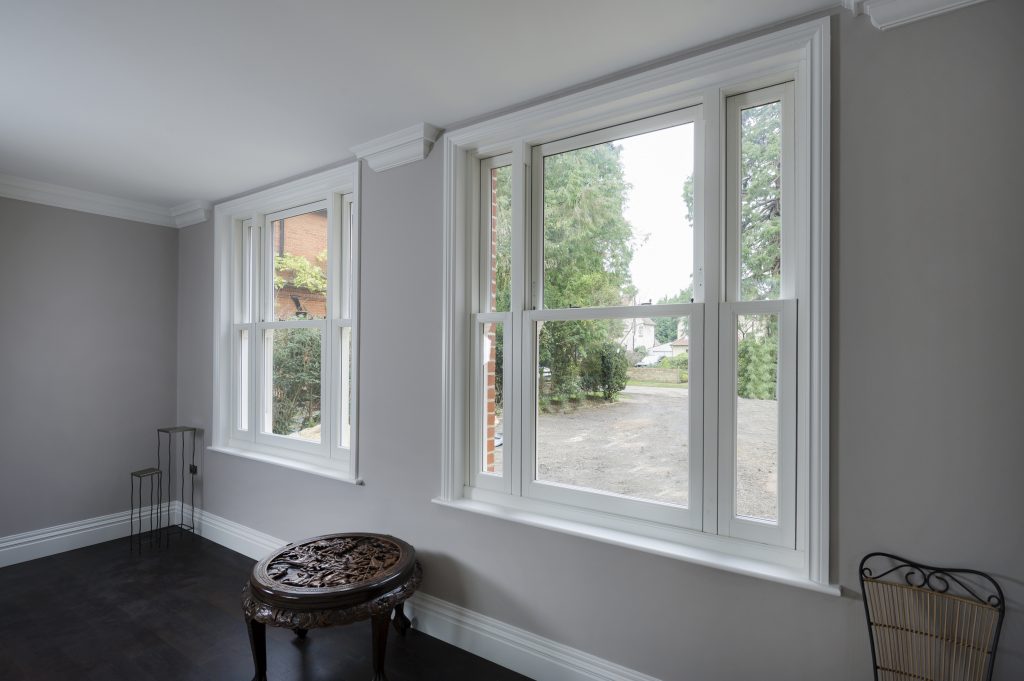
610	419
618	227
500	239
300	266
243	380
760	202
757	416
295	383
494	403
346	386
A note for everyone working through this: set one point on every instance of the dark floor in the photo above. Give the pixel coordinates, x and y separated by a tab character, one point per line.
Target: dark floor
104	614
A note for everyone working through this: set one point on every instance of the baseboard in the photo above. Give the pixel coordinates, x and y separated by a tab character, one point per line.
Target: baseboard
232	535
517	649
18	548
512	647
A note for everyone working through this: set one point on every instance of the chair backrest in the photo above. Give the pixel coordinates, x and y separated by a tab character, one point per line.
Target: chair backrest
928	623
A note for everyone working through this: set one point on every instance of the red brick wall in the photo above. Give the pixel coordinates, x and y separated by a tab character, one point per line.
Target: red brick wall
304	235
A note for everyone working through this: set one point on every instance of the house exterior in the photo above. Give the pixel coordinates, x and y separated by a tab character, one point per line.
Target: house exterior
638	333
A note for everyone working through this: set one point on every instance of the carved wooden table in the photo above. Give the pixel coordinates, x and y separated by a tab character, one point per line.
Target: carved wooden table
329	580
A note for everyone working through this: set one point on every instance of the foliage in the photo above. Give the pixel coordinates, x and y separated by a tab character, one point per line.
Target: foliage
604	370
665	328
756	362
760	245
587	253
760	204
296	384
297	271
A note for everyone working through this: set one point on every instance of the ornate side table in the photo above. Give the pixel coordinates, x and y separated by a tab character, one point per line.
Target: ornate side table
329	580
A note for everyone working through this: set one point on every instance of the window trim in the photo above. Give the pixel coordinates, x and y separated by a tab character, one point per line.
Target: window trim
799	53
339	188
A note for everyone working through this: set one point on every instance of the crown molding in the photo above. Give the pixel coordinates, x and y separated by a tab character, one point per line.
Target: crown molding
47	194
886	14
33	191
190	213
398	148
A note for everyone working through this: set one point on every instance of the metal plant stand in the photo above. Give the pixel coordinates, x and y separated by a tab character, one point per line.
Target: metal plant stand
154	475
176	434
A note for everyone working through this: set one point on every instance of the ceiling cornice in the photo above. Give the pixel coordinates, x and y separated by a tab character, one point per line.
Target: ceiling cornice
47	194
190	213
886	14
398	148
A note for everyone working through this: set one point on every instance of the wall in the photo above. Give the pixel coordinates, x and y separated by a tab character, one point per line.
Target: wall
926	394
87	360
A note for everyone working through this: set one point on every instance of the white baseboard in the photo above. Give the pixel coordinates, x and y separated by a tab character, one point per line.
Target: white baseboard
232	535
512	647
517	649
18	548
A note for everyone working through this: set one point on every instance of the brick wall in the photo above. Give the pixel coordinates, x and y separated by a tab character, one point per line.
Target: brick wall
304	235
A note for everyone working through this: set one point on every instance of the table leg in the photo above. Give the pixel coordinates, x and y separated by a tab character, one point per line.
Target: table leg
300	632
258	641
401	622
380	642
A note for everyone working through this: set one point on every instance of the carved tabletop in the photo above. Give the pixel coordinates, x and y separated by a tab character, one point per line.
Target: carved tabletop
329	580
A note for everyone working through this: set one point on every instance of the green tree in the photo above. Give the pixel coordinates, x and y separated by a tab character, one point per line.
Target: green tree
296	381
588	247
604	370
665	328
760	206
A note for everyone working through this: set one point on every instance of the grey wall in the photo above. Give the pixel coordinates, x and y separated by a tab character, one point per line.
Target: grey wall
87	360
926	392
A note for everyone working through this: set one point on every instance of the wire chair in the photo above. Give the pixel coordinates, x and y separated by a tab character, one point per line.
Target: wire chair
928	623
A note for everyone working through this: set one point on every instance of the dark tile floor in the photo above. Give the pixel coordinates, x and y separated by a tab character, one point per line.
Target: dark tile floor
102	613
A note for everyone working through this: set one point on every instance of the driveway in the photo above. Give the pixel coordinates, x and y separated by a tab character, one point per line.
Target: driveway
637	446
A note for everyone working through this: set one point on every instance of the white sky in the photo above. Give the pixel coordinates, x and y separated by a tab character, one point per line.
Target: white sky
657	164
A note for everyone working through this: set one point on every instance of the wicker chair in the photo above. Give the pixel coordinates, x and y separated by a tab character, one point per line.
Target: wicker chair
928	623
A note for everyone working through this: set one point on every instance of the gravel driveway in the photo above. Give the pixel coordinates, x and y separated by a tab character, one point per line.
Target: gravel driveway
637	446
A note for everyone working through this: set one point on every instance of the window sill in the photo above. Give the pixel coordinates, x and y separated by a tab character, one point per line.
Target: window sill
324	470
670	549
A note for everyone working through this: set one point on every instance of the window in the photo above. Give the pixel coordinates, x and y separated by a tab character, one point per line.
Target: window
286	316
636	311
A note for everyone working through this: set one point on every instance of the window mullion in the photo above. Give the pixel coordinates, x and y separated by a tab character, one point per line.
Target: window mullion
519	425
709	290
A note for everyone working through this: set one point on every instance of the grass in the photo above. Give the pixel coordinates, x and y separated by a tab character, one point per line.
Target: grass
656	384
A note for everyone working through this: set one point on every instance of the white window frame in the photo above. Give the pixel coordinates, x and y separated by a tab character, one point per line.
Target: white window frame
243	293
799	54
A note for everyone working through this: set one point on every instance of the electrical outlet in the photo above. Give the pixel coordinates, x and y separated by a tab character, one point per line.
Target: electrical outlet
193	469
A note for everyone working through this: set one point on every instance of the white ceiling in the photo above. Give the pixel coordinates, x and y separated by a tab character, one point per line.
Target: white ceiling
168	102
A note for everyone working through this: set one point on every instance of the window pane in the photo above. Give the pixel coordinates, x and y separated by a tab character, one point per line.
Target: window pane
243	380
294	409
494	404
346	386
760	201
757	416
300	266
618	226
500	239
609	418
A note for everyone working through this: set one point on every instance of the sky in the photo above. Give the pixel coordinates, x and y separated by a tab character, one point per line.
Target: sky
657	164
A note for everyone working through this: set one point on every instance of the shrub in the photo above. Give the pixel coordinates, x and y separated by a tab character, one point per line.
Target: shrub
604	369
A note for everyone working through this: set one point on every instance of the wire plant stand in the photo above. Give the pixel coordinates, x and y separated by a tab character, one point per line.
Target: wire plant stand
929	623
179	435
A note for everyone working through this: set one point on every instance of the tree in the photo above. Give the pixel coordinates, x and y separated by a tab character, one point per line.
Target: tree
760	245
666	328
604	370
588	248
296	380
760	206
